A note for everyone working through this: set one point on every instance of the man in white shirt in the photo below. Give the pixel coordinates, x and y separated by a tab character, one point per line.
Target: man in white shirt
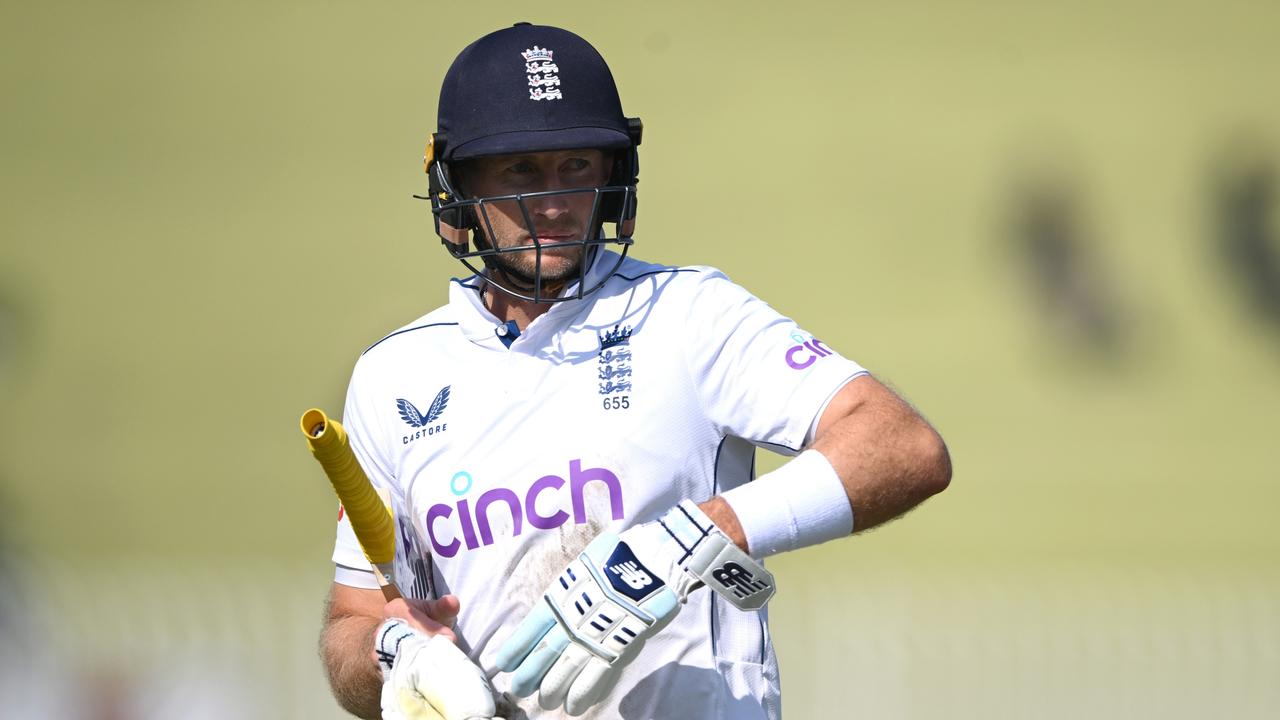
576	429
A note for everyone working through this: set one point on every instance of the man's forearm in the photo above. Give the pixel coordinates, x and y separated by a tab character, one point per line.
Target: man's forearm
346	647
874	459
887	456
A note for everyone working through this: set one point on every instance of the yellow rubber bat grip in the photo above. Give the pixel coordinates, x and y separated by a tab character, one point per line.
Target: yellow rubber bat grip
370	518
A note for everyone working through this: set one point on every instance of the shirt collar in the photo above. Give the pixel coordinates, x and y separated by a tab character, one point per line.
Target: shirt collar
480	326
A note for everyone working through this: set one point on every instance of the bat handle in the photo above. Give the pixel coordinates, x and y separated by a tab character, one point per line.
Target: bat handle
389	590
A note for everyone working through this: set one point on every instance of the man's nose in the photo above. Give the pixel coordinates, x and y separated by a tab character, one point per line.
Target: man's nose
550	206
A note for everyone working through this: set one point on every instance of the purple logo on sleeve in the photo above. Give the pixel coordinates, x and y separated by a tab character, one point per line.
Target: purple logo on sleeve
806	351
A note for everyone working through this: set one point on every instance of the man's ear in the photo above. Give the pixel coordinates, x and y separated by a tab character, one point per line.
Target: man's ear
627	228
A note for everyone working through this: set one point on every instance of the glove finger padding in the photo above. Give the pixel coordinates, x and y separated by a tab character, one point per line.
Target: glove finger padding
593	683
592	619
555	684
448	680
431	679
525	638
403	704
528	676
620	590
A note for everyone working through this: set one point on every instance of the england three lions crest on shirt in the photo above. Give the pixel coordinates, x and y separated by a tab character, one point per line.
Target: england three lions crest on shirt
614	367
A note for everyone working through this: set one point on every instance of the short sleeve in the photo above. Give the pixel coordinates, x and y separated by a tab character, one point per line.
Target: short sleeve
350	565
412	565
758	374
346	548
347	552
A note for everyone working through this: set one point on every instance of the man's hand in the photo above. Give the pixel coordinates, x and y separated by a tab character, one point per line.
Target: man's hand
430	617
426	677
621	590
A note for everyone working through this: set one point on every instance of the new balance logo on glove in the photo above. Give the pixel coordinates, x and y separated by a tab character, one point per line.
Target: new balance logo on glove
632	575
629	576
738	579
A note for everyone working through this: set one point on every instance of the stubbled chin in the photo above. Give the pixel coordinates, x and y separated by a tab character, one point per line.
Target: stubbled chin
555	275
555	263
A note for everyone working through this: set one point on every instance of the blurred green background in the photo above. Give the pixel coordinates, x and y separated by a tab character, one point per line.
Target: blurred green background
1054	229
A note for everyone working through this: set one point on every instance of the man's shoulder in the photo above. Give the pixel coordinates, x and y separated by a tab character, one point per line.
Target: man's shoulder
440	319
680	285
634	272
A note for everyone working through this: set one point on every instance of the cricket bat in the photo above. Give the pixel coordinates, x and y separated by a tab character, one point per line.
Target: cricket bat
370	517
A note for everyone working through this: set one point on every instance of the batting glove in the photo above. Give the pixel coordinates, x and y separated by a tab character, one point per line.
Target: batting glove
620	591
429	678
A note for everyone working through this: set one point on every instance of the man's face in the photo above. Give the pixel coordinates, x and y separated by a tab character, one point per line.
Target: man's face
557	220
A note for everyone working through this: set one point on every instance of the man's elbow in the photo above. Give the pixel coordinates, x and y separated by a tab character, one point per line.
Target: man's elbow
934	462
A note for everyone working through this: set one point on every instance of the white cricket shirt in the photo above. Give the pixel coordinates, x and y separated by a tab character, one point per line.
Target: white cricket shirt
504	462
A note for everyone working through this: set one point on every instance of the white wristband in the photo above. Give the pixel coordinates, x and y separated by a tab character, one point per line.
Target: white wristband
800	504
386	642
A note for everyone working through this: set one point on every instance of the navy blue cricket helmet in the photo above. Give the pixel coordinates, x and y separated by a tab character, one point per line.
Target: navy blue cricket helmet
530	88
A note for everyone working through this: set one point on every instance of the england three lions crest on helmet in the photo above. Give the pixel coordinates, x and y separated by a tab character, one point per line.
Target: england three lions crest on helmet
544	83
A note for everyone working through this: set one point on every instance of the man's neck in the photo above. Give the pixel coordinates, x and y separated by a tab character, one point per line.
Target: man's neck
504	307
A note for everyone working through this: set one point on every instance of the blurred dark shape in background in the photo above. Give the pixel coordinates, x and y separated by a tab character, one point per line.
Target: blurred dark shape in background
1076	298
8	355
8	585
1245	231
9	331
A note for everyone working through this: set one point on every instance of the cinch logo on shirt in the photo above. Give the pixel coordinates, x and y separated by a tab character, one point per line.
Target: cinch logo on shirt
416	419
805	352
451	527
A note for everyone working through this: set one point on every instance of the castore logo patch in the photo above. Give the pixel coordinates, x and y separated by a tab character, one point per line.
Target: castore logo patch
425	422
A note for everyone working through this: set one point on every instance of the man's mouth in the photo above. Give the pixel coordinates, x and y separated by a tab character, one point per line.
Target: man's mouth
552	239
556	236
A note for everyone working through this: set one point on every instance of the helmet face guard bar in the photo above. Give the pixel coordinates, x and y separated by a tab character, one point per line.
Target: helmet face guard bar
610	204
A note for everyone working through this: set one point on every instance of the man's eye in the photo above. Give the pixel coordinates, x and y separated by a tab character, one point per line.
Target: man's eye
576	165
522	168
